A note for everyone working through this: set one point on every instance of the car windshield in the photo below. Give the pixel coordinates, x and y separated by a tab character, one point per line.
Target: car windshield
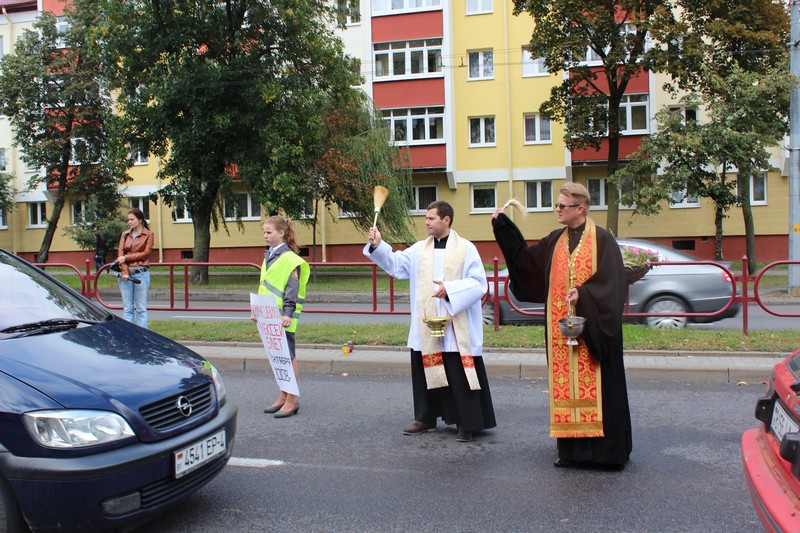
28	296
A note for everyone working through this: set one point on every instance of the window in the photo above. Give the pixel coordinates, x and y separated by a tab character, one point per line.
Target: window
537	129
3	167
181	213
682	198
481	131
3	218
689	114
1	46
62	26
141	203
423	196
475	7
78	213
532	66
539	195
384	6
408	58
308	208
137	156
598	192
37	214
481	65
633	114
419	125
484	197
758	189
83	152
243	205
349	12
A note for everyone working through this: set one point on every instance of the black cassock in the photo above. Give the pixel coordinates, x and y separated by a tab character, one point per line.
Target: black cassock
601	301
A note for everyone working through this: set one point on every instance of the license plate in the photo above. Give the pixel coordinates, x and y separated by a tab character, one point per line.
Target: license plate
199	453
781	422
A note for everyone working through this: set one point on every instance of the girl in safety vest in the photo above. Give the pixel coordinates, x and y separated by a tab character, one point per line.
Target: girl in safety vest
284	274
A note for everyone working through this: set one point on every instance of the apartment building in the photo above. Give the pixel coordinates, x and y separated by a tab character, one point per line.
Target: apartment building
456	84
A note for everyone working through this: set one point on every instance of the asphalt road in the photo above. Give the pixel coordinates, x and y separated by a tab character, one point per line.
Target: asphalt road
343	464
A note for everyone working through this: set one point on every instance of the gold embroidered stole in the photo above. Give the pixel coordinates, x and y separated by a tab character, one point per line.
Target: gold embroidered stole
432	360
574	377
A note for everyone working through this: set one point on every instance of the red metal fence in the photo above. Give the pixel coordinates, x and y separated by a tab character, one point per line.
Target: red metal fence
180	298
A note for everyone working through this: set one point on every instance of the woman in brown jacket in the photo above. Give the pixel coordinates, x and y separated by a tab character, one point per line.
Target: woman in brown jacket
135	246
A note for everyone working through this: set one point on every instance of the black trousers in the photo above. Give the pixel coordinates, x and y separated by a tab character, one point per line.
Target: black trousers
456	403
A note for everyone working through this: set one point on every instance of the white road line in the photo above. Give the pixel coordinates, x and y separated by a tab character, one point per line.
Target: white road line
254	463
195	317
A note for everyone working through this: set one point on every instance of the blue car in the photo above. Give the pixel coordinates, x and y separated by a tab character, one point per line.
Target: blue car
103	424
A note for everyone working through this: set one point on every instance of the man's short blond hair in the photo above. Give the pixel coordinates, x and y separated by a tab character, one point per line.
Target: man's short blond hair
577	192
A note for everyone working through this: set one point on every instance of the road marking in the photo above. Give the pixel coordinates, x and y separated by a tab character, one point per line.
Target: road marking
195	317
254	463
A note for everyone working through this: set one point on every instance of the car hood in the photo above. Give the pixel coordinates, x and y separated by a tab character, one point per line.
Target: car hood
112	365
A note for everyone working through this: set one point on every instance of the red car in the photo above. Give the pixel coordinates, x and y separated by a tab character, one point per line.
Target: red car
771	452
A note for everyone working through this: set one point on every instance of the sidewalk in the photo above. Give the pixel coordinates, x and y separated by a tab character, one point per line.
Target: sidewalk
705	367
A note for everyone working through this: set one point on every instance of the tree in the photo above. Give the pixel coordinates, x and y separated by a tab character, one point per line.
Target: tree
7	191
61	114
732	53
588	100
227	93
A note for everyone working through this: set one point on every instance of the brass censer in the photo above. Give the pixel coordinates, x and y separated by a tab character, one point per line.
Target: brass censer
435	323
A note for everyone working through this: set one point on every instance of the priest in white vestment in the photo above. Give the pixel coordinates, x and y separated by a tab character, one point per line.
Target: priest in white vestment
447	278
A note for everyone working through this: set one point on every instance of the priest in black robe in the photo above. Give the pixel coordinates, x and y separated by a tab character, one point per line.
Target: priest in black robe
577	271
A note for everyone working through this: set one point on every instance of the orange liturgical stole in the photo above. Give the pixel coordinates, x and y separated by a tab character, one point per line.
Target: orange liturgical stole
574	377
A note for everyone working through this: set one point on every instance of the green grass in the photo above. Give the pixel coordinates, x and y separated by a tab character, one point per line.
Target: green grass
636	337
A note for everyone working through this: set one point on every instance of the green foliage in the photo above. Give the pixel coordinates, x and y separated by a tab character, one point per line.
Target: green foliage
7	191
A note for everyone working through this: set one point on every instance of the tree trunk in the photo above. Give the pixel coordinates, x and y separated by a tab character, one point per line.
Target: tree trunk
749	226
719	216
202	243
612	215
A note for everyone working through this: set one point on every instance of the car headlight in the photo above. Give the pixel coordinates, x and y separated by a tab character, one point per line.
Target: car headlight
217	379
76	428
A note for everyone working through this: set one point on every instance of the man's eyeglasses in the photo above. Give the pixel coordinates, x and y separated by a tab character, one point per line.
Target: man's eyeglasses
564	206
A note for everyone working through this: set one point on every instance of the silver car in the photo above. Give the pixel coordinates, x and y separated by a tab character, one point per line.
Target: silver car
697	288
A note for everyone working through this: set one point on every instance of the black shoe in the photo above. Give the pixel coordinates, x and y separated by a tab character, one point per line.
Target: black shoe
463	436
564	463
419	427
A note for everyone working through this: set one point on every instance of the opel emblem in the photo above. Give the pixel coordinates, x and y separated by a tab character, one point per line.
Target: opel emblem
184	405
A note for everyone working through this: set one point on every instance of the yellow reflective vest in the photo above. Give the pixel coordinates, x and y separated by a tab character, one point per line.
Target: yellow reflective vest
274	279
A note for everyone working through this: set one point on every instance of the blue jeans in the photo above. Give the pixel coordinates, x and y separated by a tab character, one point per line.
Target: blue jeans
134	297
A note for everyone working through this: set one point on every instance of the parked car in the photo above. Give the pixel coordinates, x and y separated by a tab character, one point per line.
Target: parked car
102	424
771	451
664	289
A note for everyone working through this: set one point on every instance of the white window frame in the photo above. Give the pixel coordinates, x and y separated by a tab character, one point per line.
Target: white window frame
537	122
138	157
431	49
484	131
253	209
142	203
430	118
62	26
763	178
385	7
603	194
484	61
474	188
37	214
352	6
181	213
682	200
532	67
479	7
73	159
689	114
3	218
539	195
628	105
78	210
418	208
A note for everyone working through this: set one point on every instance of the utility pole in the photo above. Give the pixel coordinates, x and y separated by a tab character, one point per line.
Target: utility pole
794	154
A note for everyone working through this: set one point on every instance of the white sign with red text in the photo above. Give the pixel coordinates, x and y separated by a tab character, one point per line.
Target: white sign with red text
268	320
